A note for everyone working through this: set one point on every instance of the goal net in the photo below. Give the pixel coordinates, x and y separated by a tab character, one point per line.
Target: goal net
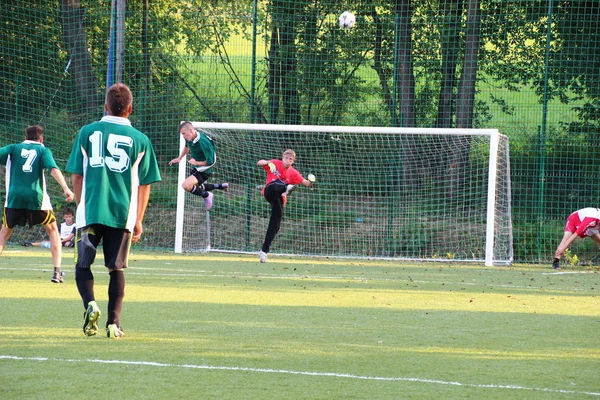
390	193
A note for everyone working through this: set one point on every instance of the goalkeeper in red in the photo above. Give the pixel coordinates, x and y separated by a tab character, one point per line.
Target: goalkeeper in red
282	179
202	158
583	223
113	165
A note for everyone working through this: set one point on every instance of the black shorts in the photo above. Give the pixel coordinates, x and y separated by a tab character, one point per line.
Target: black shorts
200	176
274	190
115	245
19	216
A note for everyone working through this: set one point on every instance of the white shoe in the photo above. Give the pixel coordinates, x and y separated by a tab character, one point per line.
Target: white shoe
208	201
289	189
262	256
114	332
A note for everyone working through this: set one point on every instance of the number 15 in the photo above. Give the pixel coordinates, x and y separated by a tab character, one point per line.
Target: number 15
118	160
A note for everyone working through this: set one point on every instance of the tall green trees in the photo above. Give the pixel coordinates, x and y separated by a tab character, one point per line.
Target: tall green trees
74	35
30	35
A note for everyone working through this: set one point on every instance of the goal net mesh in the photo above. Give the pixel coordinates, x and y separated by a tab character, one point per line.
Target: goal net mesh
397	194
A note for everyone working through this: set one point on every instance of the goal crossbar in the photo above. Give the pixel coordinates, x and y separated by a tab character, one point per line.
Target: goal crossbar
342	129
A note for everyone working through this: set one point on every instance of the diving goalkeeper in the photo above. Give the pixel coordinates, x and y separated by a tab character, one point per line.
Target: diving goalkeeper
282	179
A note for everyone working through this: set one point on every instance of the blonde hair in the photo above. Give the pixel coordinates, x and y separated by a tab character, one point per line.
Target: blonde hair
291	153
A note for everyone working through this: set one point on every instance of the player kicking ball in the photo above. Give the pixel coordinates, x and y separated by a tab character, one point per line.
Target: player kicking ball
282	179
202	158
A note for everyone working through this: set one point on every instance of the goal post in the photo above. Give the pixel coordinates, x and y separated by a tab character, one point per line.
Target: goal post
390	193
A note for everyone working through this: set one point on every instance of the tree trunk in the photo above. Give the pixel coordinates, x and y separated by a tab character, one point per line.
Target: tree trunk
289	72
465	103
405	86
406	78
466	94
75	40
273	82
450	46
378	65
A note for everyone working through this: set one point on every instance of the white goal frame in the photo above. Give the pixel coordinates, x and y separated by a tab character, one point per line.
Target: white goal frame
493	135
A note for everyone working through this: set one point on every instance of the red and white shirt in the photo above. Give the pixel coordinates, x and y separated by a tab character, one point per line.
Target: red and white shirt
584	222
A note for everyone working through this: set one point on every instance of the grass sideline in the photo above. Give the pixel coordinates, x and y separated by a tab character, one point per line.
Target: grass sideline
228	327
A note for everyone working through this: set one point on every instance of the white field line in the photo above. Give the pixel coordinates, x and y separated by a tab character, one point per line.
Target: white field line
568	272
364	279
305	373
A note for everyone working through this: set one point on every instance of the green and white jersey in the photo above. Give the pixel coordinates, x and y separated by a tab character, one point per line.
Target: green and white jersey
114	159
25	180
202	148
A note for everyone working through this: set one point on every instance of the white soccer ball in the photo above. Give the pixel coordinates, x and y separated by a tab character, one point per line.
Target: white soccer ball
347	20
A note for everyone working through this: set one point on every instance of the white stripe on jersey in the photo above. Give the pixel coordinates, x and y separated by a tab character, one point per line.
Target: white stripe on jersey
81	218
135	183
8	165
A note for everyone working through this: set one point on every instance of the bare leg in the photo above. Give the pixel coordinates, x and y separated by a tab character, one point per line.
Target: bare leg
564	244
55	244
4	236
191	185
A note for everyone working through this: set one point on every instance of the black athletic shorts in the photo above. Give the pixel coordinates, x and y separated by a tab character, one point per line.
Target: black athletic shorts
115	245
19	216
200	176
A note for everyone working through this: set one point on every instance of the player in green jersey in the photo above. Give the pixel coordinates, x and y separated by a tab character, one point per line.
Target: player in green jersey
26	196
202	158
113	165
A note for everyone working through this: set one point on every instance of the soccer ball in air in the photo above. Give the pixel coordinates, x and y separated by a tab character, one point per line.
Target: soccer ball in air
347	20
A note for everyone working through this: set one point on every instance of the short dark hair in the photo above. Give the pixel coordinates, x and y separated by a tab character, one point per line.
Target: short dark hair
118	98
34	132
185	123
68	210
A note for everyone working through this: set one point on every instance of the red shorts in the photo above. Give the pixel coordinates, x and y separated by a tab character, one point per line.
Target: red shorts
573	222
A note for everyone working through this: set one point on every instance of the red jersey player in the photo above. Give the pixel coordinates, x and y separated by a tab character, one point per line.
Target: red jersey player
282	178
583	223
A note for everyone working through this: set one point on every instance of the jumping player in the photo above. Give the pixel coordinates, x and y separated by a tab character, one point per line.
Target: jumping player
203	158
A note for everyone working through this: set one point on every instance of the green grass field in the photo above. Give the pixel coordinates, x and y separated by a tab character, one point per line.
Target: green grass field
227	327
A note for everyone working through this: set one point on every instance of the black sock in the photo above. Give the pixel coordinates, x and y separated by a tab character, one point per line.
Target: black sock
116	293
199	190
85	284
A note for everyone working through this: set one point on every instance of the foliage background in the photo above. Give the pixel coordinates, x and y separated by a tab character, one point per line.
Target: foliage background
527	67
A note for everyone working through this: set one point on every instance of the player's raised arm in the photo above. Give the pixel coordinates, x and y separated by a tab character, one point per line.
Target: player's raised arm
178	159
